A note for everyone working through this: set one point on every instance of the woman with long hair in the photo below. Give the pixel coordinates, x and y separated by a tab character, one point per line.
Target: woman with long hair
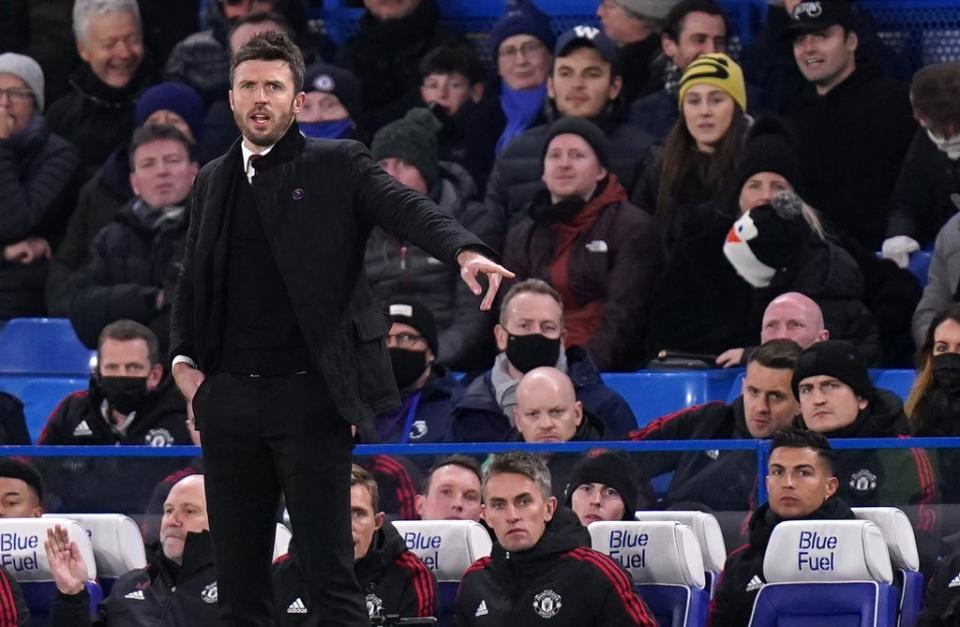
699	156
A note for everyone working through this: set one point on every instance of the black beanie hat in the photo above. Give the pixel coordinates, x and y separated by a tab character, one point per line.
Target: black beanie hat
769	147
413	139
586	129
414	313
611	468
834	358
341	83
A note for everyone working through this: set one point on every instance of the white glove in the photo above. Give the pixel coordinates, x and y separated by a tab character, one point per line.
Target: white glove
898	249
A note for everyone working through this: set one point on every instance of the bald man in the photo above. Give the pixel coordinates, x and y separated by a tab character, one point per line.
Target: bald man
790	316
548	411
179	580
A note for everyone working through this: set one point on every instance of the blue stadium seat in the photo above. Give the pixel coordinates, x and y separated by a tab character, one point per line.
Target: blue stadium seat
655	393
902	545
834	572
42	346
451	547
25	559
40	396
897	381
664	559
707	530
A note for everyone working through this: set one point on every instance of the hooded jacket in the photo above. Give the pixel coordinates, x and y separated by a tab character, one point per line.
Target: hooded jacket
515	178
897	477
37	177
742	576
852	143
393	579
395	267
604	262
133	258
560	578
695	472
164	594
478	418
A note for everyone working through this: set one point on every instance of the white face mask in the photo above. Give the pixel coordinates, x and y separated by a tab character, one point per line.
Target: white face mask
741	257
949	145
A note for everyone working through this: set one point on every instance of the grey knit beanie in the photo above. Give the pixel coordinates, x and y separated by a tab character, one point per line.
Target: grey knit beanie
27	69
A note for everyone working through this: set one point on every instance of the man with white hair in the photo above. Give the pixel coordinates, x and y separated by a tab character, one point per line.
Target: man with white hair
178	586
97	114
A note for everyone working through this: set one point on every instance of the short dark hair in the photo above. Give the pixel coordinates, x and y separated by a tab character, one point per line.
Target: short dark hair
673	23
129	330
520	463
262	18
463	461
272	46
452	60
18	468
362	477
529	286
777	354
156	132
802	438
935	92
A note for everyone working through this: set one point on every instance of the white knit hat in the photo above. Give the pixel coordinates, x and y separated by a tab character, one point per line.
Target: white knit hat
654	9
27	69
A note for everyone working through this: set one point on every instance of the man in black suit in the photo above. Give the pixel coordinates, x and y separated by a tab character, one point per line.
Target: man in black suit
274	317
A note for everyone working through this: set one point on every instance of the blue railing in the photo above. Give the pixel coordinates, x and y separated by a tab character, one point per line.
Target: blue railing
762	448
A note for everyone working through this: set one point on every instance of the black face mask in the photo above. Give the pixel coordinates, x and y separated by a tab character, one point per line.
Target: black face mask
125	394
946	370
527	352
408	366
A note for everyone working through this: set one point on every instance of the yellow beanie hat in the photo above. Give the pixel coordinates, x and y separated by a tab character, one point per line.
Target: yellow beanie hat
715	69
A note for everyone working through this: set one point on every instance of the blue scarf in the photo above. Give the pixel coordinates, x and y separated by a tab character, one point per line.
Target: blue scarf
521	108
337	129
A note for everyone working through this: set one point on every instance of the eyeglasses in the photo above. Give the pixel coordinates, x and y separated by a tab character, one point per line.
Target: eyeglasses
527	49
404	340
15	94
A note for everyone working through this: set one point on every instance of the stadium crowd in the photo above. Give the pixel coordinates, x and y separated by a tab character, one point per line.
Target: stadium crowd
663	202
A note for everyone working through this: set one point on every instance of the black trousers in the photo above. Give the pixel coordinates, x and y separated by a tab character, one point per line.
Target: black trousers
263	436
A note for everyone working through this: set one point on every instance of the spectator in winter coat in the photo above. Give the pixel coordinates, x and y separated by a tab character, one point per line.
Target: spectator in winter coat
691	28
332	107
178	585
96	116
599	251
584	83
109	190
766	404
135	258
392	37
407	150
635	26
838	400
393	579
541	566
425	388
802	484
943	282
700	154
37	175
21	490
926	193
850	180
451	490
522	43
604	486
531	334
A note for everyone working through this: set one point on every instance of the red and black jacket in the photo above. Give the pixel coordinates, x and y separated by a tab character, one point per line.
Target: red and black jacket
394	581
560	578
13	608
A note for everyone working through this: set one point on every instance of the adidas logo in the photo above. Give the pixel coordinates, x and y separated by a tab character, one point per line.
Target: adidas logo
83	429
955	582
481	609
297	607
755	584
136	595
